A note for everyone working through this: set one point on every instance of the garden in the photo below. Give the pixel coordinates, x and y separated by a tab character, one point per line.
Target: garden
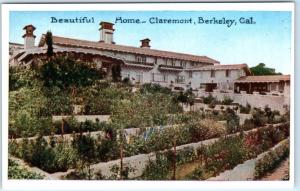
175	144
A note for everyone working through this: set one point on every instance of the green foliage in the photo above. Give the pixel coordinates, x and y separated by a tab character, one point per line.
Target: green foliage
271	160
196	174
232	121
259	117
67	73
246	109
116	72
17	172
39	153
157	169
261	69
227	100
22	77
155	88
72	125
26	116
131	112
224	154
210	100
100	99
49	42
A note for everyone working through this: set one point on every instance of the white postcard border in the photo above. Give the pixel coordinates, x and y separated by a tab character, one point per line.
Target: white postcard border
144	185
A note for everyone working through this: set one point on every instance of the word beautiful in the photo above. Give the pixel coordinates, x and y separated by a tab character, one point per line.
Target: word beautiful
73	20
227	22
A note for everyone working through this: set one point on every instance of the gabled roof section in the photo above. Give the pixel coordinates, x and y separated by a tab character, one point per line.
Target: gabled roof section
127	49
23	54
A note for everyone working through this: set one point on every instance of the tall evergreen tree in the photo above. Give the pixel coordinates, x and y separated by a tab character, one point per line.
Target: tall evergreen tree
49	42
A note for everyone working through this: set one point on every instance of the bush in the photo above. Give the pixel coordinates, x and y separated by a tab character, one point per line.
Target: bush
16	172
197	174
232	121
209	99
259	117
246	109
227	101
39	153
155	88
157	169
248	124
72	125
271	160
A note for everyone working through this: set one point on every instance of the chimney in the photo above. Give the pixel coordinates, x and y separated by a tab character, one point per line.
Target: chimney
29	37
145	43
106	32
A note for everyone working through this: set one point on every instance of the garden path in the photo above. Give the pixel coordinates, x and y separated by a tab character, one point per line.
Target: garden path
279	173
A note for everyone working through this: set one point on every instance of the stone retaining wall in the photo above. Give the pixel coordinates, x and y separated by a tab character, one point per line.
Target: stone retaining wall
246	170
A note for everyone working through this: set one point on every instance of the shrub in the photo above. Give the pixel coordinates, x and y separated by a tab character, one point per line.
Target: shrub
248	124
246	109
197	174
271	160
227	100
259	117
232	121
17	172
210	99
157	169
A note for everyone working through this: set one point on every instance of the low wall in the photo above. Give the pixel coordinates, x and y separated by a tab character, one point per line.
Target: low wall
246	170
83	118
255	100
139	162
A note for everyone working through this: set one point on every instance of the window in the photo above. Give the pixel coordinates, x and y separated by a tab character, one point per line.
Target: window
165	78
180	79
227	73
156	77
173	62
139	77
141	59
183	64
190	74
212	73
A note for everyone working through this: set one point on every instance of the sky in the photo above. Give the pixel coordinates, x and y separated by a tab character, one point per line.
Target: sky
267	41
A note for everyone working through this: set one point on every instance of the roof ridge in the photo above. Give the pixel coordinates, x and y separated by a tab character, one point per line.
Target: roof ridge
107	46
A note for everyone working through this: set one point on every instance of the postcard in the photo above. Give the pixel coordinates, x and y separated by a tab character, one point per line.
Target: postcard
179	95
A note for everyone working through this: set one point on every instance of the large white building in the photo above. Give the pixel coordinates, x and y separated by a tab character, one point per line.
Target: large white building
142	64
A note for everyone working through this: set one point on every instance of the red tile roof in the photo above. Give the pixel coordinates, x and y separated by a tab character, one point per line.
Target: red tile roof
221	67
269	78
128	49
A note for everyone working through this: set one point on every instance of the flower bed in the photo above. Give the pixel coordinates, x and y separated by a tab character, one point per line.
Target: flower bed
225	153
16	172
59	156
271	160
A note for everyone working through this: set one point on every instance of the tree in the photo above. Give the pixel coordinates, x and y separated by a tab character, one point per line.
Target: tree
86	148
49	42
116	72
261	69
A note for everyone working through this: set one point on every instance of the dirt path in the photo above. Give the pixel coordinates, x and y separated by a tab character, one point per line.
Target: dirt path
279	172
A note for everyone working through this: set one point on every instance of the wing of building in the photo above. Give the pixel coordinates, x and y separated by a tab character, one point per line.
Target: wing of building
142	64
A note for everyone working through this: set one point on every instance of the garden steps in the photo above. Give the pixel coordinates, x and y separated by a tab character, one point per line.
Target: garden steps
279	172
39	171
243	171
